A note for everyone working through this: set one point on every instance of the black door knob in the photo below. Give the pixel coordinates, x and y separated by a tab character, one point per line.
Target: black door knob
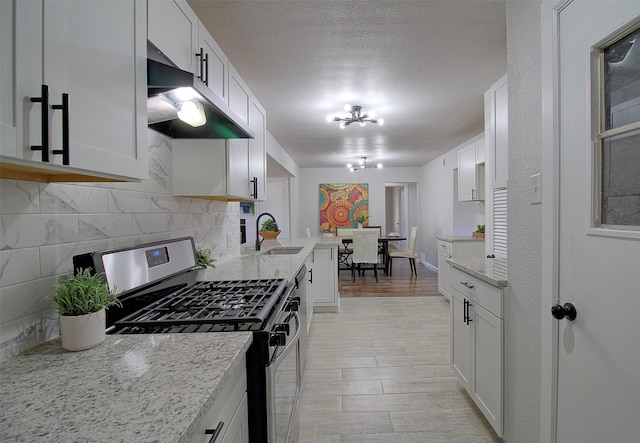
568	311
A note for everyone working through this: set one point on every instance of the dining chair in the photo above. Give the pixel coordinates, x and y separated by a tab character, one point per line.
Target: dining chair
406	253
344	251
365	251
381	246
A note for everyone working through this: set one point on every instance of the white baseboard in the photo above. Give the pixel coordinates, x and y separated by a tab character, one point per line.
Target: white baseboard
430	266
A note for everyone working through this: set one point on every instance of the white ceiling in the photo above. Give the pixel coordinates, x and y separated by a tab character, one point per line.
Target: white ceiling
423	66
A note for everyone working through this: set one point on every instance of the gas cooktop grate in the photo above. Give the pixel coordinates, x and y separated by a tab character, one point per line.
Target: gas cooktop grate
225	302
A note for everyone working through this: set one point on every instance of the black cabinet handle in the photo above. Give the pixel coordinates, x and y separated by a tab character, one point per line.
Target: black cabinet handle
464	283
255	187
204	66
467	317
65	129
44	117
216	432
311	276
206	69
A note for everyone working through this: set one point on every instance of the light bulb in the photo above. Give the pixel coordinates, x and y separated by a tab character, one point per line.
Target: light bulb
192	113
349	165
379	166
347	108
380	121
372	114
363	123
343	125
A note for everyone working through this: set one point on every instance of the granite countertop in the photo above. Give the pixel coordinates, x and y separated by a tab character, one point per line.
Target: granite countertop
451	238
138	388
489	270
252	264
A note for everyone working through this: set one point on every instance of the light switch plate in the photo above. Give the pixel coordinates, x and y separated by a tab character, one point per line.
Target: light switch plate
536	189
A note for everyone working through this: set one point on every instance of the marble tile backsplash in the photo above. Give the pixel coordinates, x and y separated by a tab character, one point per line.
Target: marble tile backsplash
43	225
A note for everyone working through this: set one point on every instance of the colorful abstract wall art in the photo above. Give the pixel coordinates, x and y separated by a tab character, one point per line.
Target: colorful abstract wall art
341	204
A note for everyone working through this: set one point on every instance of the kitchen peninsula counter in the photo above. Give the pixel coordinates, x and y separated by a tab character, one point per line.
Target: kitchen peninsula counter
130	388
489	270
252	264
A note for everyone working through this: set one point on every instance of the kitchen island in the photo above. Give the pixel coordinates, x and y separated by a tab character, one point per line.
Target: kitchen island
133	388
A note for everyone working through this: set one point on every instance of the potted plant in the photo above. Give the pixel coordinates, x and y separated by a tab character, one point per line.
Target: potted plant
269	229
479	232
81	300
204	259
362	219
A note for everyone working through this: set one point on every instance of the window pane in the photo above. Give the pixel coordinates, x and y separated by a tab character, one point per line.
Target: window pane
622	81
621	180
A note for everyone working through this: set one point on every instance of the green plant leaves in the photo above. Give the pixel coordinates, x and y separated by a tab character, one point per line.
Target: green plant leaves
82	293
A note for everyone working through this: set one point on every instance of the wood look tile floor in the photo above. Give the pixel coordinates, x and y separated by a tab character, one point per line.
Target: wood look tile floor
378	371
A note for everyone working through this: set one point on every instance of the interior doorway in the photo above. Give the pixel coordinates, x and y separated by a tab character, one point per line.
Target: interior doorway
396	209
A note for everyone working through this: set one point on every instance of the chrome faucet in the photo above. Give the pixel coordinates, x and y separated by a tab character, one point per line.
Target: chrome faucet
258	241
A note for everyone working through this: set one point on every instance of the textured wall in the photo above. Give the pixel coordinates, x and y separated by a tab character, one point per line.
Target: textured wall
43	225
523	301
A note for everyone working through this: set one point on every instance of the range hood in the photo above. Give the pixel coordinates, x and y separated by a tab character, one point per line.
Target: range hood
166	84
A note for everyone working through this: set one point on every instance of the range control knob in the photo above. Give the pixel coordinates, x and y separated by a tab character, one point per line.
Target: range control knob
283	327
278	339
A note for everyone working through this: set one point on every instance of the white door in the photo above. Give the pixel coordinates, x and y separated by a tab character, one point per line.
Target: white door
598	361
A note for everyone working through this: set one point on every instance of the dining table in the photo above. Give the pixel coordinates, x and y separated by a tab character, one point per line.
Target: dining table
383	243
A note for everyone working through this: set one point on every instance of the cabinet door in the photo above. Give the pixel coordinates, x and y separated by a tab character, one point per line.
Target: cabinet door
309	292
480	152
257	151
467	174
8	118
238	168
101	65
173	29
215	64
460	352
239	95
487	367
497	133
443	274
324	280
238	430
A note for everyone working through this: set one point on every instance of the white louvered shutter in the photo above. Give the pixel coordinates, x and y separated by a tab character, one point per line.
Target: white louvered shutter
500	222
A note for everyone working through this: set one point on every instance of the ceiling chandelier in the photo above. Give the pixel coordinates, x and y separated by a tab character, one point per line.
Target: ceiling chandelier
363	165
356	116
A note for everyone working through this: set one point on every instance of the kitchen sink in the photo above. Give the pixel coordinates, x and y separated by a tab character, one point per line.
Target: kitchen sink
283	250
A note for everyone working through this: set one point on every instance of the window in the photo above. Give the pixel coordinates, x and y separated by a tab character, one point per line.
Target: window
619	134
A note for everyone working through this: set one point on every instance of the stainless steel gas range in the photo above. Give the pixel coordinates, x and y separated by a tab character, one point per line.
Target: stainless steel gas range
159	295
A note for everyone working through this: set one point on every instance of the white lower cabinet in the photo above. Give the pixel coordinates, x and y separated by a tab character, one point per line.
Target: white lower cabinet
309	292
453	248
477	343
228	415
324	280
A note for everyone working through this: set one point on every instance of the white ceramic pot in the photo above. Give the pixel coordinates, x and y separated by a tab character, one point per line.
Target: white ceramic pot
360	226
80	332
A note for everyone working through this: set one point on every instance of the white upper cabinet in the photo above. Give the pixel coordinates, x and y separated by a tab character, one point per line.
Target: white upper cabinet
239	95
471	172
176	31
89	122
497	133
173	29
258	151
231	170
212	64
8	124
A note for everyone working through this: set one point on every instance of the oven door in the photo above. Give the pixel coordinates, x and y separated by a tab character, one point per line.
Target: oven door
283	384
